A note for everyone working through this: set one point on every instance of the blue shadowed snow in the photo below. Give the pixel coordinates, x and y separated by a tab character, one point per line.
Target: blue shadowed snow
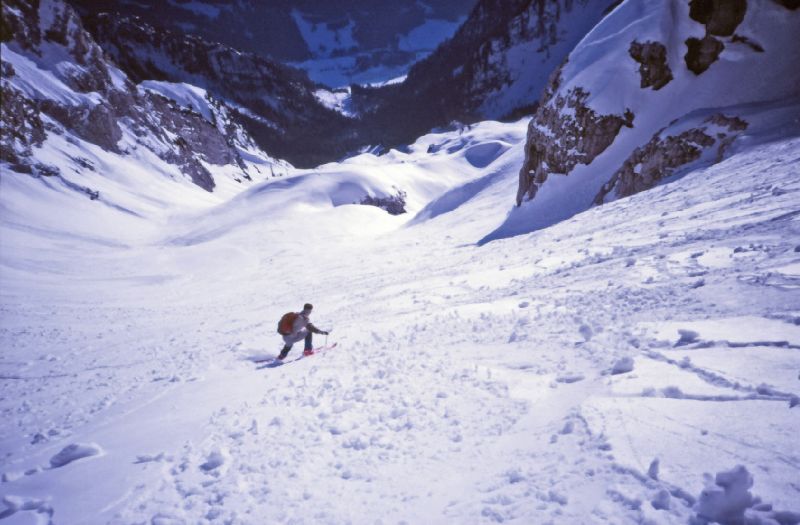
456	197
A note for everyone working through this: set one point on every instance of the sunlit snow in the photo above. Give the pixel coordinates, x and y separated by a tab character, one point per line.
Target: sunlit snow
590	372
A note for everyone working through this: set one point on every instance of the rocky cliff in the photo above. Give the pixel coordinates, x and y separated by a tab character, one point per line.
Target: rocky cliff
59	86
274	102
495	66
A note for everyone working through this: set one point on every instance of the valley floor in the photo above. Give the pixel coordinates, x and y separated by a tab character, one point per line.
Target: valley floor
591	372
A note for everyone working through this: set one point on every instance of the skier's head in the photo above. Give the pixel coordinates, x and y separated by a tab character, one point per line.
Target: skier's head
307	309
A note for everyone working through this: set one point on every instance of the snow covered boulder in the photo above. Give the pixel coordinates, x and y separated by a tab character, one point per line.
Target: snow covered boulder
729	502
622	366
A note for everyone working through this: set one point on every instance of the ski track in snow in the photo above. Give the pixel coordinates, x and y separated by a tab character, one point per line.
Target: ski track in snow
536	379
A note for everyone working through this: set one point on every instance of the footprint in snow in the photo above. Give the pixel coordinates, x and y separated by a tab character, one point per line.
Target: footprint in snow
16	504
165	519
149	458
215	459
570	378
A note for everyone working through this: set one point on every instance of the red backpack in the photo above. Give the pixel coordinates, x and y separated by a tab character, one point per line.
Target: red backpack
286	323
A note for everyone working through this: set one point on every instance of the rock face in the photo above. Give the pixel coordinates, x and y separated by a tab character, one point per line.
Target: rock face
23	128
70	88
565	132
279	108
630	108
668	151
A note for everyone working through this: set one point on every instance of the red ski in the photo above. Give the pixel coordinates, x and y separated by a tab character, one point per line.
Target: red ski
319	350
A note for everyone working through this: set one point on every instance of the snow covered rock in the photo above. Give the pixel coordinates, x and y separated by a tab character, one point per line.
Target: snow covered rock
216	458
642	98
672	149
567	133
727	500
393	204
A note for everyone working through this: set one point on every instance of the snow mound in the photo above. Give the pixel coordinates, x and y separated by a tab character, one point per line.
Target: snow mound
74	452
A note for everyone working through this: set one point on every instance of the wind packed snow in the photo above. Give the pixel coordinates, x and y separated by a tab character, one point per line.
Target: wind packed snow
637	363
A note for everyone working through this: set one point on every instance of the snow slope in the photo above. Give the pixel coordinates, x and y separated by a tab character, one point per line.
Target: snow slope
590	372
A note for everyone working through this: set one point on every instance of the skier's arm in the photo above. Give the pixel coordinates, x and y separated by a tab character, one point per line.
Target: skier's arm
316	330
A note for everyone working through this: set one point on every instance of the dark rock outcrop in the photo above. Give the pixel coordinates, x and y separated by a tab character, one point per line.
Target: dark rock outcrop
664	155
22	127
96	124
720	18
653	66
563	133
701	53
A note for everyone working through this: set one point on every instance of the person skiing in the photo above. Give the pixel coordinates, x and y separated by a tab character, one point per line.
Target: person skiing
301	329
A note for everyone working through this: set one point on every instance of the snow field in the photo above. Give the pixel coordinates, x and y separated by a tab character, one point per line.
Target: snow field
591	372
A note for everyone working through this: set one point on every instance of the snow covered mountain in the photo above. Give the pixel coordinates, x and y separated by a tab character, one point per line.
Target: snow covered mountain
634	363
67	110
275	103
654	89
495	66
337	43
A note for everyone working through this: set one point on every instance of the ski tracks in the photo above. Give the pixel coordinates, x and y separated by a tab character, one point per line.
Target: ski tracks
359	428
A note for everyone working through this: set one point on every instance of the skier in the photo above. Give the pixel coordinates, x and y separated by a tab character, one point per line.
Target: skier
301	329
